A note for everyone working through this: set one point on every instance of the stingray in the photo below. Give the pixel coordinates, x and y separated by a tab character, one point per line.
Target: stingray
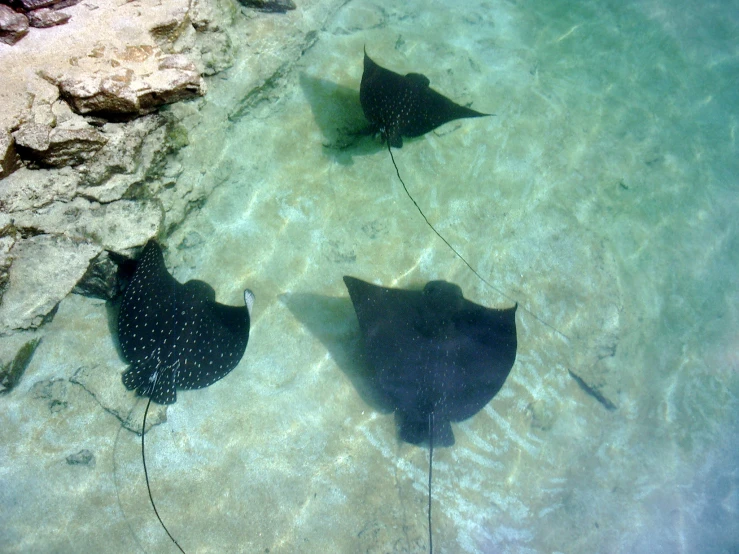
435	356
405	105
176	336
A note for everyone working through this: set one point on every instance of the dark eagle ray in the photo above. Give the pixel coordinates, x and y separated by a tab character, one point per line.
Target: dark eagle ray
404	105
176	336
436	357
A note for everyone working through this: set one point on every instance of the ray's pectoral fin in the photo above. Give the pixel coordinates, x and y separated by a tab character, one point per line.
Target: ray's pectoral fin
163	390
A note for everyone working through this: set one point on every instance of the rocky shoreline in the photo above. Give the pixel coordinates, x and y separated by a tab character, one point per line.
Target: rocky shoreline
88	159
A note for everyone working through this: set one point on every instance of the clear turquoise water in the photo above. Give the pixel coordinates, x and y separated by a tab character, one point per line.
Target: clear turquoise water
602	197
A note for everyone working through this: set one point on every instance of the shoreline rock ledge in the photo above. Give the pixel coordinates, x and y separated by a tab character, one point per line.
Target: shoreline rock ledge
17	16
91	166
82	147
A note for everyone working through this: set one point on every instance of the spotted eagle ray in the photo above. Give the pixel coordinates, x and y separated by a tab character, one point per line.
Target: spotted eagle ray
404	105
176	336
436	357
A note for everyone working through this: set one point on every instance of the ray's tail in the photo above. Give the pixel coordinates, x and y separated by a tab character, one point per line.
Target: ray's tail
472	269
146	475
431	466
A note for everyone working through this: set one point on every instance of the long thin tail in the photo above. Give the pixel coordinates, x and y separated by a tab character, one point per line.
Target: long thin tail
146	475
431	466
472	269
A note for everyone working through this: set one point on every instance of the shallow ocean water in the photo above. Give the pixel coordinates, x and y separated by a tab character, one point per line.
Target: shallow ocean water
602	196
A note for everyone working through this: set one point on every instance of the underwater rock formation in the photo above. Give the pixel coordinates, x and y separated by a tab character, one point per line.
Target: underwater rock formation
44	270
276	6
33	5
9	159
13	26
45	17
79	133
45	146
147	81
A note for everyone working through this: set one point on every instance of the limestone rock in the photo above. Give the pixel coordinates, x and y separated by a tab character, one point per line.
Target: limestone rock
7	240
71	146
33	136
46	17
13	26
101	278
129	151
9	159
117	226
82	458
28	189
177	61
121	93
44	270
31	5
209	41
44	146
44	98
275	6
61	4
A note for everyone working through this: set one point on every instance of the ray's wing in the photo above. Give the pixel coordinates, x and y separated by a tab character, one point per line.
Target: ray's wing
433	110
176	335
485	350
401	106
213	337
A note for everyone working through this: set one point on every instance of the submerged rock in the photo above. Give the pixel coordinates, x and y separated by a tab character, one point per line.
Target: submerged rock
28	189
46	17
45	269
13	26
30	5
131	149
101	278
9	159
82	458
7	240
45	146
122	93
27	6
11	373
276	6
116	226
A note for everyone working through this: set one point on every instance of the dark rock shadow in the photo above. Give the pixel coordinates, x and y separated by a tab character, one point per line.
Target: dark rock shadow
126	269
339	115
334	323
